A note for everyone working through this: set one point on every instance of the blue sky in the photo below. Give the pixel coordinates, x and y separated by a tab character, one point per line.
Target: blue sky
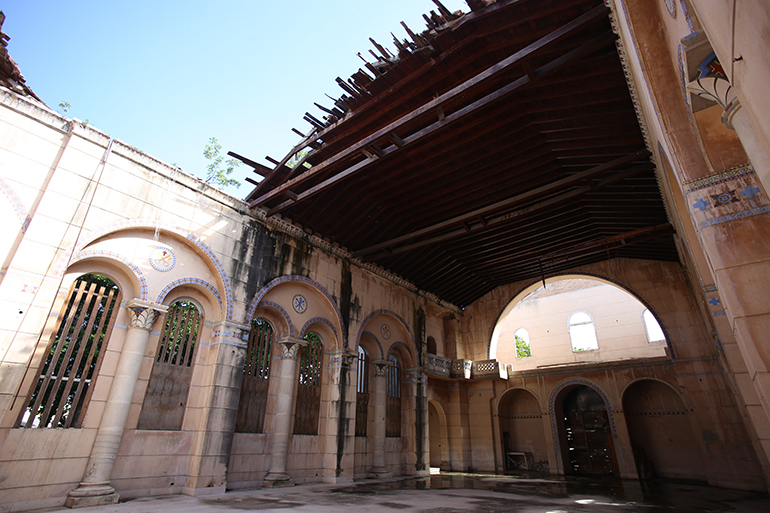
164	76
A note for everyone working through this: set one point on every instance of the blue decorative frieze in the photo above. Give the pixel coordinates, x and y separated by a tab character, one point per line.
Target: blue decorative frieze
727	175
730	195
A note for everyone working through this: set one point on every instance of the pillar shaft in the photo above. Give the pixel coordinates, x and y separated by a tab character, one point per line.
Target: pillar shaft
378	438
95	488
287	383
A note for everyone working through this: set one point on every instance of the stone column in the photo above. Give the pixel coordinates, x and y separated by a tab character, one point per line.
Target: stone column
95	488
339	449
422	438
287	384
378	440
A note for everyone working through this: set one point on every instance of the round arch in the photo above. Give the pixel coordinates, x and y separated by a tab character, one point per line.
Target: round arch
377	322
184	236
323	311
556	414
523	439
524	291
127	276
437	434
660	431
277	317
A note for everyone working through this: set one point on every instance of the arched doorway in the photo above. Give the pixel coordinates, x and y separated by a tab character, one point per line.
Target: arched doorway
437	430
586	434
521	425
660	432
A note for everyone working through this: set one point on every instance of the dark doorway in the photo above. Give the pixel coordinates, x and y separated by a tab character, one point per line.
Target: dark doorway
587	428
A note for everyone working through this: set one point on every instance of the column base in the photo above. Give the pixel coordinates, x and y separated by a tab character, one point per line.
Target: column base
277	481
379	473
91	495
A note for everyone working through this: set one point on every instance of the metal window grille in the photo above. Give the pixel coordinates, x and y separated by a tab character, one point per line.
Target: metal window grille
256	369
362	395
393	398
74	354
309	389
167	390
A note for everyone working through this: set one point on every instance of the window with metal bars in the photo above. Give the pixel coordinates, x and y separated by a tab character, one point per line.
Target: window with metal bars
167	390
362	392
309	387
393	398
74	354
256	370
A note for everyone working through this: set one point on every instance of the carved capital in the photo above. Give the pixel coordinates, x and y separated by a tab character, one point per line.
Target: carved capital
290	347
730	112
144	313
380	367
344	358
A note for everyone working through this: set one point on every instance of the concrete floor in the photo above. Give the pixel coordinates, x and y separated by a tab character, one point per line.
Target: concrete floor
461	493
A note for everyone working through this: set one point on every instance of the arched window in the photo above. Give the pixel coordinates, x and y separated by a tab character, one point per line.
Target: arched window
582	332
521	337
169	385
256	370
309	389
652	328
74	355
393	398
362	392
431	343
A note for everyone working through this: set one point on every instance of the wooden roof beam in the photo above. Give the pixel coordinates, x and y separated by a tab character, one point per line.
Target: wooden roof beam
519	198
456	92
489	99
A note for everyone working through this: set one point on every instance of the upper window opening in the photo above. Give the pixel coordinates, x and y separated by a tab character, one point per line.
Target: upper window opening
653	329
523	349
562	321
582	332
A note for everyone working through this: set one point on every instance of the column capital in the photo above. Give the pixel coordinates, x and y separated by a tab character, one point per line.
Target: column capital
144	313
379	367
344	357
731	110
290	347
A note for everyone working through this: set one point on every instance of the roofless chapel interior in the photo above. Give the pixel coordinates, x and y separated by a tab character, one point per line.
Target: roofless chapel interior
527	236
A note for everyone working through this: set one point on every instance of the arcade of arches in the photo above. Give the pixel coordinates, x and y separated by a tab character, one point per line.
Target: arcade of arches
161	337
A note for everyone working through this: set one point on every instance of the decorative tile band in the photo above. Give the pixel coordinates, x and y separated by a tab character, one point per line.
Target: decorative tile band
96	253
16	203
710	288
315	320
279	309
400	344
721	177
371	335
292	278
157	225
733	217
189	281
384	312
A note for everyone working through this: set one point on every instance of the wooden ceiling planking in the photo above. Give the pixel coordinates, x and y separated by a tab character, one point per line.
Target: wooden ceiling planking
488	178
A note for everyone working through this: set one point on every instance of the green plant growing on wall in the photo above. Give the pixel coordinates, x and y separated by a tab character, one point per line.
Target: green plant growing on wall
522	348
218	171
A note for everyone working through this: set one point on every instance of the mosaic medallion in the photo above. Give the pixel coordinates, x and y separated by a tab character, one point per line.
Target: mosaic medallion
162	259
299	303
385	331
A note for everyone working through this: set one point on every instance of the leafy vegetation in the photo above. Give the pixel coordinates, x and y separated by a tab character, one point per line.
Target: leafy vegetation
219	169
522	348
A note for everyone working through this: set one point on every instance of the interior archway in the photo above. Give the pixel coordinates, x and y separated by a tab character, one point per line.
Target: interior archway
560	318
521	425
660	432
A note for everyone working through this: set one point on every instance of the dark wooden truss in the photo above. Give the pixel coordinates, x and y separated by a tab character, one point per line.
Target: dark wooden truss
498	145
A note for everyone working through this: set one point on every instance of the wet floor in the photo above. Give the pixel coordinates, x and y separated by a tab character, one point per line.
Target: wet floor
463	493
